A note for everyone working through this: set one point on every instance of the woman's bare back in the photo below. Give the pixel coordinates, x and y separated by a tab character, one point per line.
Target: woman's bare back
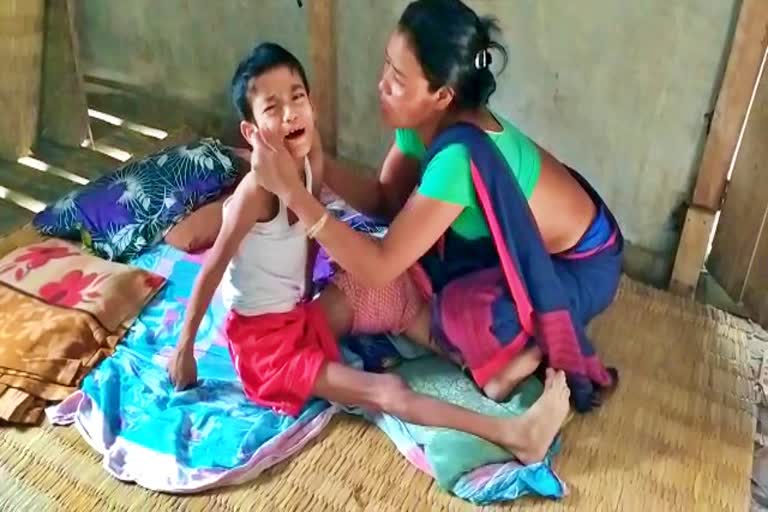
562	208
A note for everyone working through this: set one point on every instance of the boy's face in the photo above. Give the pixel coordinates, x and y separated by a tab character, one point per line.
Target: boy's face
280	103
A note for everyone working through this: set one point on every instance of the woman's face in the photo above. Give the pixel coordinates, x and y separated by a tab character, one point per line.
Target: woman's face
404	95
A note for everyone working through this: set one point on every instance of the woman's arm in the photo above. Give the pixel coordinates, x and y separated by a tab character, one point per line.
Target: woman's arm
317	166
381	197
376	263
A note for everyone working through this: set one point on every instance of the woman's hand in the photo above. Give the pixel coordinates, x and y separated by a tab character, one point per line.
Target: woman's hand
274	165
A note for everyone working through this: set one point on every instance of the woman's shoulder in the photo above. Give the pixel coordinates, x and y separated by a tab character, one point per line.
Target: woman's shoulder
509	128
409	143
512	136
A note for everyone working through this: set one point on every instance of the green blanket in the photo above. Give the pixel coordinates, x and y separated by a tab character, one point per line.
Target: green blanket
451	453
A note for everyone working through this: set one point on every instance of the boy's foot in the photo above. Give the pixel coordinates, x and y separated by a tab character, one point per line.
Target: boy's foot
532	434
499	388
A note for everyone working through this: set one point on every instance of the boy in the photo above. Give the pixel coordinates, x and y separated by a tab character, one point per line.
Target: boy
283	346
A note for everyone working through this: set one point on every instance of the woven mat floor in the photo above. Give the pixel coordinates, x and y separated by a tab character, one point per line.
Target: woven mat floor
676	435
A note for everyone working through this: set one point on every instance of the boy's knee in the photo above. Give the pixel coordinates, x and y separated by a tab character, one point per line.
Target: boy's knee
337	310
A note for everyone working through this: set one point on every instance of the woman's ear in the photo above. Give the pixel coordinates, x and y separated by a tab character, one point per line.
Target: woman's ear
248	130
444	97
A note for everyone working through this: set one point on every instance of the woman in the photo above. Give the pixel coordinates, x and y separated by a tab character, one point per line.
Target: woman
563	247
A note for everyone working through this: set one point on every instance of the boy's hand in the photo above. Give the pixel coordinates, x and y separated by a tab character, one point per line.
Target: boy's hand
182	368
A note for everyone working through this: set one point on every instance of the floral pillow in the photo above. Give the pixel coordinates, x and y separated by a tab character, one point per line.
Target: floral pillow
63	275
123	213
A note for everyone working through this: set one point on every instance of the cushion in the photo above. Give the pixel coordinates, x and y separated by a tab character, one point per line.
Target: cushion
63	275
121	214
198	231
61	312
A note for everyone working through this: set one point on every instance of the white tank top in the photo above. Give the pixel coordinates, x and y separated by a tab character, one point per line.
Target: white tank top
267	274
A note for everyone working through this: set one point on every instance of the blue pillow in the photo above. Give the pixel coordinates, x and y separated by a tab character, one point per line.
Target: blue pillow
129	210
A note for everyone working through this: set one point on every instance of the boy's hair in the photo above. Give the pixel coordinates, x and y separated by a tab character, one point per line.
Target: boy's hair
263	58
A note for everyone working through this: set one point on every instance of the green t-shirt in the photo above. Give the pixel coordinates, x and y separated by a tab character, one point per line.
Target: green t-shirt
448	176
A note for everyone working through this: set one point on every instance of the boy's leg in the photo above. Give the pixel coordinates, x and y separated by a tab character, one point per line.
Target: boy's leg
420	332
528	437
340	312
337	309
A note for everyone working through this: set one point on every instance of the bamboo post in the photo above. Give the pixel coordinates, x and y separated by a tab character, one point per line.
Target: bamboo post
322	47
21	33
64	109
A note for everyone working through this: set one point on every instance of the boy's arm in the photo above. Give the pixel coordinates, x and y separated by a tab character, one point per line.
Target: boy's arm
249	204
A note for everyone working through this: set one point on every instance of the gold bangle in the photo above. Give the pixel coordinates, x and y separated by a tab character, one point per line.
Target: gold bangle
318	226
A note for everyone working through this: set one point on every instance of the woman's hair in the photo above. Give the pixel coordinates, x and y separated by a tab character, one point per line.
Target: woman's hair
263	58
453	45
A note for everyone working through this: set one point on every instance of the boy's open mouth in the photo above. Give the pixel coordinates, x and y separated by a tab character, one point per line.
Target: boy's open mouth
295	134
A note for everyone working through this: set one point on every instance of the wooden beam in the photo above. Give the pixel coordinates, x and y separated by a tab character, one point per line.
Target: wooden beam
177	137
21	33
12	216
64	109
121	138
747	50
733	261
741	73
690	258
84	162
322	49
755	296
40	185
118	147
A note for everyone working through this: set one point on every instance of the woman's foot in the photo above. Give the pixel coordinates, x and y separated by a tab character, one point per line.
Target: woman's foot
531	435
500	387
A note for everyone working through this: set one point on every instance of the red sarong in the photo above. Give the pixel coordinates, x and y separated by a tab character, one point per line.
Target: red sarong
279	356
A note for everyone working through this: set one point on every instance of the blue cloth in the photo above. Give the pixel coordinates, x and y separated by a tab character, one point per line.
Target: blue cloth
598	233
211	435
189	440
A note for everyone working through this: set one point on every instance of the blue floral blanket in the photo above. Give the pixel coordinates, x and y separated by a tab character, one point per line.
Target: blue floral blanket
212	436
